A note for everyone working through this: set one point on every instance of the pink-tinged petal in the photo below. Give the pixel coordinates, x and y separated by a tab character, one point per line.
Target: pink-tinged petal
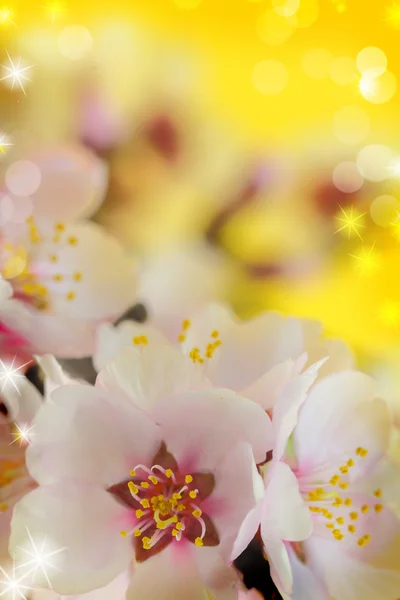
73	183
219	579
267	388
233	497
279	564
285	515
211	317
305	584
340	356
169	575
111	339
83	434
97	277
150	374
252	594
65	337
341	414
115	590
347	577
247	531
84	521
251	348
286	409
23	402
55	376
202	427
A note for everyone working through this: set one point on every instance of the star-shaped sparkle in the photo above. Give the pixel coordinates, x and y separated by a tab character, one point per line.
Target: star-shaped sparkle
15	73
352	221
22	434
5	143
366	260
12	587
10	374
40	558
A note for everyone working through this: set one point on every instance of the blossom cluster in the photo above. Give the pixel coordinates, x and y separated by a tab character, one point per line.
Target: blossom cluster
201	435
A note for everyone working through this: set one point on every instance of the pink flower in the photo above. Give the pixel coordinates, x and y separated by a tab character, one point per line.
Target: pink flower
143	466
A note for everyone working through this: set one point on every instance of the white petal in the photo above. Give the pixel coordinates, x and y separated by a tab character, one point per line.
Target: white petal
305	584
279	564
188	423
83	434
23	403
84	521
54	374
150	374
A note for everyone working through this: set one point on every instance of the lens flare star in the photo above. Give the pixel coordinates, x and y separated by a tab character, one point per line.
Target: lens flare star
40	560
13	588
10	374
14	74
352	221
4	143
22	434
366	261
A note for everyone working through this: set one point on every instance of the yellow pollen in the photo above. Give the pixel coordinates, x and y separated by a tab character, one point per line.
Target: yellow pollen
344	485
123	533
378	508
186	324
144	484
59	227
145	503
344	469
378	493
348	502
361	452
363	541
330	525
181	337
140	339
71	296
176	496
365	508
338	502
350	462
335	480
337	534
199	542
3	507
197	513
340	520
319	491
53	258
77	276
353	516
193	494
351	528
58	277
139	513
146	543
188	479
179	526
133	488
137	533
72	240
153	479
132	473
168	473
181	507
174	532
215	334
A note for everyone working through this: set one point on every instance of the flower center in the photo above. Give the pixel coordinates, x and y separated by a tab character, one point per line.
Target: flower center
168	506
332	506
195	353
32	285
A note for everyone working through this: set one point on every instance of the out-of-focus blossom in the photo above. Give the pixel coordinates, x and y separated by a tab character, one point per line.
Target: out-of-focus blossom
173	488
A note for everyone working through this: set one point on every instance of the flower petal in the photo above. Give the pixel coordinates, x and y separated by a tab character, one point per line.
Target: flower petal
83	524
188	424
82	434
341	414
150	374
305	585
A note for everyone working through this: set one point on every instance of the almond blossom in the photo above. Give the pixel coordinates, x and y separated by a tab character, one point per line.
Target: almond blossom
148	467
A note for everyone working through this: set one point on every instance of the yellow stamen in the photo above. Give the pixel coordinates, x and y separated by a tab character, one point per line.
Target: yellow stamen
123	533
199	542
193	494
365	508
153	479
197	513
378	508
188	479
378	493
139	513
